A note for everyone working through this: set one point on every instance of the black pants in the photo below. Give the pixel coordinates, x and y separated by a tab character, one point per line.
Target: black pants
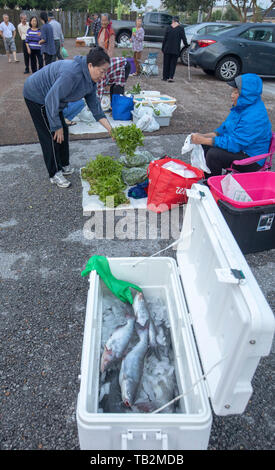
118	89
36	56
169	65
26	56
48	58
218	159
57	50
55	155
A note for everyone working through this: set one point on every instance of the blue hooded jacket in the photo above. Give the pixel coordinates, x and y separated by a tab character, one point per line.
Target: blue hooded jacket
60	83
247	128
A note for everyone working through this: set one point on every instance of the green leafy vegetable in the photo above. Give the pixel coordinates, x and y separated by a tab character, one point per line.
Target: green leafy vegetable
105	177
136	89
128	138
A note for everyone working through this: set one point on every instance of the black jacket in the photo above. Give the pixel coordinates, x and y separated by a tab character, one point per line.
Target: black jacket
172	40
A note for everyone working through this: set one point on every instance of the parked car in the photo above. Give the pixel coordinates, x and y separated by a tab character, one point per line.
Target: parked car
249	48
200	28
154	25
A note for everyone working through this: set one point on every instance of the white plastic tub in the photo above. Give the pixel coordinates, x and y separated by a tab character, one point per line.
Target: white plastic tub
209	290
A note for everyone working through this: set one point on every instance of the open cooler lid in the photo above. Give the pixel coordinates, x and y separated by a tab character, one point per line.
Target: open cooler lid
232	322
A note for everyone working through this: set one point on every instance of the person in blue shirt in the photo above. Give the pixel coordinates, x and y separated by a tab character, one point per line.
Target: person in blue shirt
246	132
48	91
47	39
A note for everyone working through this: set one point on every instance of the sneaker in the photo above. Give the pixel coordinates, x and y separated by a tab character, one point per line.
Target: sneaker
67	170
59	180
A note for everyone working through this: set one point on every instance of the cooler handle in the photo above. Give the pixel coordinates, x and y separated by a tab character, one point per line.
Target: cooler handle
143	434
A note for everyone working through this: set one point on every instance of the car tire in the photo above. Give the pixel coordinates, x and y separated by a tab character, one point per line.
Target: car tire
228	68
184	55
123	36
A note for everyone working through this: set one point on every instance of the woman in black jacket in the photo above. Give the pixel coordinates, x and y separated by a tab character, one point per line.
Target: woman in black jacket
171	48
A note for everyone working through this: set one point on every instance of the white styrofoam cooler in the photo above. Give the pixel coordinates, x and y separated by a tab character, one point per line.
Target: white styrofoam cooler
210	291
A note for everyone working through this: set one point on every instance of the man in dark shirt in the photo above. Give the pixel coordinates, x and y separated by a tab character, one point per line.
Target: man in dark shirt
174	34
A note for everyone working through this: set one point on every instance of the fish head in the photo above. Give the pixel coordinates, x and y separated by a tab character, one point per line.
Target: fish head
106	358
128	392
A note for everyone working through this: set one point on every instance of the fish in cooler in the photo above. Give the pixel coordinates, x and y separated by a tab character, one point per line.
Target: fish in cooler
132	367
142	316
118	342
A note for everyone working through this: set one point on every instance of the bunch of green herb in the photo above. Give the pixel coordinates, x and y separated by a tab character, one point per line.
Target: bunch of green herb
128	138
104	175
136	89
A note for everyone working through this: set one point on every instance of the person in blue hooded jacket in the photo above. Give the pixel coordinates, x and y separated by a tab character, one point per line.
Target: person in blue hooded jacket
246	132
48	91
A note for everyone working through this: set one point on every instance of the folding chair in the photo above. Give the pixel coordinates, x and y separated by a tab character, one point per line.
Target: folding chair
149	66
238	164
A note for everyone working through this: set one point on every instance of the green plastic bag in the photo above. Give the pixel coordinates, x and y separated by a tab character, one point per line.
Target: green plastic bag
64	52
121	289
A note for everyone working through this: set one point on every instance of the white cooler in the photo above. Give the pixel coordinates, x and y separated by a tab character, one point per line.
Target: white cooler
220	323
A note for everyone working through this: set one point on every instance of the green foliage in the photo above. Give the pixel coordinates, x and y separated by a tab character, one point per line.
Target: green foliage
128	138
104	176
136	89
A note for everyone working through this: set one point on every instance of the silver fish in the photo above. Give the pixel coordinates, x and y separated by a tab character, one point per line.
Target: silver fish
132	367
142	316
116	345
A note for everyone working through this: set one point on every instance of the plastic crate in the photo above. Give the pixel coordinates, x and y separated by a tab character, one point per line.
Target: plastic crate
260	186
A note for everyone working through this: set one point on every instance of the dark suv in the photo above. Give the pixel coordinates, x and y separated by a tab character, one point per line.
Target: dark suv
249	48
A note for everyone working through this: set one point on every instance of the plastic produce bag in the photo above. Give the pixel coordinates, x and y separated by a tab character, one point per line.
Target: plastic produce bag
165	109
138	159
64	53
135	175
85	115
140	110
197	154
233	190
148	123
120	288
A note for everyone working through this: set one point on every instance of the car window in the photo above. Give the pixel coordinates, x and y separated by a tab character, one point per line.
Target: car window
165	19
154	17
224	30
189	29
201	30
213	27
260	33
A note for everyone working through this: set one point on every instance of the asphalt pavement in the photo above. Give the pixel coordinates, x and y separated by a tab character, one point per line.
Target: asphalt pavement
42	252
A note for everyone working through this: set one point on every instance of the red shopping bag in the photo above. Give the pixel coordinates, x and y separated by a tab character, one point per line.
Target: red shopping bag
167	188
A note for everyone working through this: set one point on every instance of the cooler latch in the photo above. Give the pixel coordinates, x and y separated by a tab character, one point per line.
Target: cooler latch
144	435
230	275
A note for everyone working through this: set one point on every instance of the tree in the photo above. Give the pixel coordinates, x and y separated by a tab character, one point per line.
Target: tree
241	8
176	6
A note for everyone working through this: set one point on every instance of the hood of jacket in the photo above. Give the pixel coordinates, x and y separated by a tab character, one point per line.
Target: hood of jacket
250	87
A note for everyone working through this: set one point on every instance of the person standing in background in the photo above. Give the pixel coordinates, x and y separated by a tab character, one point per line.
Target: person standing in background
8	33
106	35
47	40
174	34
32	43
22	30
88	24
57	35
96	26
137	41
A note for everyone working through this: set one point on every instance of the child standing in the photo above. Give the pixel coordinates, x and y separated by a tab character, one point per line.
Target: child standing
137	41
